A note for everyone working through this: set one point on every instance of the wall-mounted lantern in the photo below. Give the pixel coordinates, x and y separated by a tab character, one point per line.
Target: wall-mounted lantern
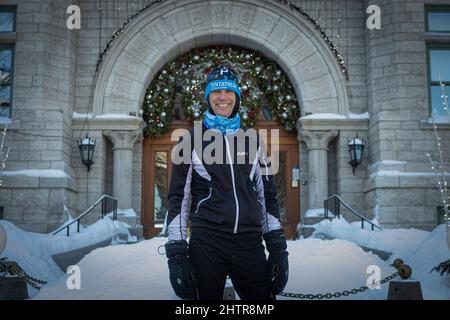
356	148
87	146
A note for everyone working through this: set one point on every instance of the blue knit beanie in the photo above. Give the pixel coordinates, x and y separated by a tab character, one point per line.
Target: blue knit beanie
222	78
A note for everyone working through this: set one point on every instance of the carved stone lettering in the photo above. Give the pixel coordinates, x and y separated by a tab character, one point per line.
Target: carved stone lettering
221	14
246	17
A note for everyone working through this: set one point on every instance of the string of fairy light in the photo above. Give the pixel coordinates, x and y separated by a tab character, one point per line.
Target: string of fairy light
4	152
439	167
331	45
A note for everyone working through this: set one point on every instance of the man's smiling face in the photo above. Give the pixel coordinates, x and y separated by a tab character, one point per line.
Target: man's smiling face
222	102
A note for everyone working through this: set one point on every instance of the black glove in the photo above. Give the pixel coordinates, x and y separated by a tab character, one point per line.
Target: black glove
277	268
182	276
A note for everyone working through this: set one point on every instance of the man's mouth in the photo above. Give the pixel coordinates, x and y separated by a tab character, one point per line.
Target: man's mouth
223	105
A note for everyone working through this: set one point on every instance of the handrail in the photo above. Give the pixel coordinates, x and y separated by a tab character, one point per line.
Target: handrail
338	200
101	200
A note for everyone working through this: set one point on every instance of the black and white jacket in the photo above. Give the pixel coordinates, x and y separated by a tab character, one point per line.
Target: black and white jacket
233	196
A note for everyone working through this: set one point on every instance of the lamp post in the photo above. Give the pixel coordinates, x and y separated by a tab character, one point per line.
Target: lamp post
356	148
86	147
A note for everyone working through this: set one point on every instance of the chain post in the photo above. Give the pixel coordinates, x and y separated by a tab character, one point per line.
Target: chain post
13	268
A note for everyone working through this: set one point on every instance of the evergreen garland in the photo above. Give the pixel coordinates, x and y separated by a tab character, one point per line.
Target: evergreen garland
186	77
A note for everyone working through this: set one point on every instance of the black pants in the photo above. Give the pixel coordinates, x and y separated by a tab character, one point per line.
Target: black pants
214	255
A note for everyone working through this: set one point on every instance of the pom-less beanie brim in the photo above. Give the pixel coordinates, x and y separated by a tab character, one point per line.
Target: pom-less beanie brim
223	84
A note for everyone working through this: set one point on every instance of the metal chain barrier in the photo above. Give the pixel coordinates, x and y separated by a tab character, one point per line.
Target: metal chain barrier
403	270
13	268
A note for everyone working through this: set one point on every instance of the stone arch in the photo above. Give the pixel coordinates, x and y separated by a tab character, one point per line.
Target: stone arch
172	28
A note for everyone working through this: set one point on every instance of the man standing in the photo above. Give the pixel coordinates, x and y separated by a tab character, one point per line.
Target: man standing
231	206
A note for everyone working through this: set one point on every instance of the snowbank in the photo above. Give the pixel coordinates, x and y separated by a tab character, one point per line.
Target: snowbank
316	266
46	173
336	116
33	251
420	249
134	271
121	116
138	271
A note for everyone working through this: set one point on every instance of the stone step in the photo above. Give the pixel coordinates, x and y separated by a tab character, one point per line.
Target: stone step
125	240
305	231
127	216
312	220
384	255
66	259
130	220
137	231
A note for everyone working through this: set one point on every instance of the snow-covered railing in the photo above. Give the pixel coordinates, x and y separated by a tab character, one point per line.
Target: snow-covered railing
104	201
337	208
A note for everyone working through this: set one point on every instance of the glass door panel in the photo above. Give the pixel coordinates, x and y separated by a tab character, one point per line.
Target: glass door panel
160	187
280	184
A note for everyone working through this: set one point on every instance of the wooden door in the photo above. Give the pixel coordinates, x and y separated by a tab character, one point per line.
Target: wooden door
157	167
156	171
288	192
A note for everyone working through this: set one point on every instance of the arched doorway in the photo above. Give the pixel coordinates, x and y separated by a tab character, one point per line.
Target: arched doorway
174	100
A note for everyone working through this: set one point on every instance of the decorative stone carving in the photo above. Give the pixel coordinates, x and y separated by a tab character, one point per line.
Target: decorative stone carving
317	140
123	140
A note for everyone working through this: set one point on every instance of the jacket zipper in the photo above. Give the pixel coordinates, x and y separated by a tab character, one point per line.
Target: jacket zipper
234	186
201	201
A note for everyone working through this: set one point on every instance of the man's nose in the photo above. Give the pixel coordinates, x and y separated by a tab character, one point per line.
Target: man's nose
222	95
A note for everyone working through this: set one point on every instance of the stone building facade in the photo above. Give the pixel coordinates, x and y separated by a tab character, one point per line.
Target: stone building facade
57	96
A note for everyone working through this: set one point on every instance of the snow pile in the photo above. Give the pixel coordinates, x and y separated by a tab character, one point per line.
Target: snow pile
46	173
124	213
310	213
106	116
330	116
420	249
138	271
318	266
134	271
387	240
33	251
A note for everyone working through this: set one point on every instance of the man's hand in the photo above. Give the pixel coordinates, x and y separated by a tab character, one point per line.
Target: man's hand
277	265
182	276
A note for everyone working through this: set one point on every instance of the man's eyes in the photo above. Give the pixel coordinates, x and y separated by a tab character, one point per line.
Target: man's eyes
218	92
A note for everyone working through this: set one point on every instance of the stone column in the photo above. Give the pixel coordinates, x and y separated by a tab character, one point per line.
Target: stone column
123	146
317	144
